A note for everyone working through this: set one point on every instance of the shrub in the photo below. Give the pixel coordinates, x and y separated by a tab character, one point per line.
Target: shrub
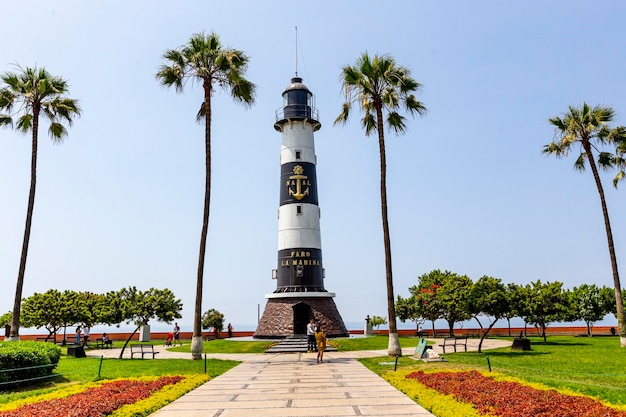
29	359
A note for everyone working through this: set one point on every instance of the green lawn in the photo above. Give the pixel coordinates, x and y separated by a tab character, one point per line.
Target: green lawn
377	342
591	366
226	346
77	370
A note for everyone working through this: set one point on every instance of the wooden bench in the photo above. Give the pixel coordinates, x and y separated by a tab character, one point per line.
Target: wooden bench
136	349
453	342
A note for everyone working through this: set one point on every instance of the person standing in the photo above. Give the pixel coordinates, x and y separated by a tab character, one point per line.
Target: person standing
85	334
78	331
230	330
177	334
310	336
320	339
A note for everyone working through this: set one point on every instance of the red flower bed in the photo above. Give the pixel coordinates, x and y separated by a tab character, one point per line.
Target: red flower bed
510	399
94	402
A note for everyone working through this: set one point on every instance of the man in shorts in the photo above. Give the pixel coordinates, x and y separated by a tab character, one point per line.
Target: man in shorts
176	334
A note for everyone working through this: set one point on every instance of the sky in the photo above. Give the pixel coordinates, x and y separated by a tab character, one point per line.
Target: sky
119	202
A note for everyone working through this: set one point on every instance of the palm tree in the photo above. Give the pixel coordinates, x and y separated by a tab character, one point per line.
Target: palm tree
380	86
28	94
204	60
589	129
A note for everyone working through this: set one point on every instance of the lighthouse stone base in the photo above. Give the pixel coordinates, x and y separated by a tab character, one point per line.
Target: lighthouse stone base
288	316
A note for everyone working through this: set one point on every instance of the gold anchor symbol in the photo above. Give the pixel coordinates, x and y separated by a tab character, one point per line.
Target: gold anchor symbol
299	181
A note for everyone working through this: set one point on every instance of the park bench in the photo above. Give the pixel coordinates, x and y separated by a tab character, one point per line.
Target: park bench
454	342
136	349
101	345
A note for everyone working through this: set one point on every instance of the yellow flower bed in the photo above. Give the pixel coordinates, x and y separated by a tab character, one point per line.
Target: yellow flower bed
141	408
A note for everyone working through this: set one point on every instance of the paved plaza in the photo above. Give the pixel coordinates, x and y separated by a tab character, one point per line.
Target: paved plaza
294	384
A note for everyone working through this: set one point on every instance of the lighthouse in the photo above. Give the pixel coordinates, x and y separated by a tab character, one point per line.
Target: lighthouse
300	294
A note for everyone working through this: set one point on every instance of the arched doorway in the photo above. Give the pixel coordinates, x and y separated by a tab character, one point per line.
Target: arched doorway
301	316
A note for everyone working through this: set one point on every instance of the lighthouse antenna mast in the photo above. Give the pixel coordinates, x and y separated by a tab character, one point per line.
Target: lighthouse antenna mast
296	51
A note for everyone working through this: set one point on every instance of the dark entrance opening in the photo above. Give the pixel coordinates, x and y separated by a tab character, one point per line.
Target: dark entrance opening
301	316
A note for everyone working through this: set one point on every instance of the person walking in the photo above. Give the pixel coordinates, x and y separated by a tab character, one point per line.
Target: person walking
320	339
310	336
177	334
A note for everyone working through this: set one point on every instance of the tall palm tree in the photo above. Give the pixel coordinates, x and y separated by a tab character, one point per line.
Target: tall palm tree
205	60
589	129
380	86
28	94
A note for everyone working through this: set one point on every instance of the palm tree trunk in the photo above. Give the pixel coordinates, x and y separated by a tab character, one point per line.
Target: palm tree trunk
14	334
394	345
621	319
196	341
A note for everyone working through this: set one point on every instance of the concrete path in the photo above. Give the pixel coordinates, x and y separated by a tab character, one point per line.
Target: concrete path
294	384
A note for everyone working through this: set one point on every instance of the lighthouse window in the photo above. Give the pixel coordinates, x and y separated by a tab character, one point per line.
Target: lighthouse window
298	155
299	210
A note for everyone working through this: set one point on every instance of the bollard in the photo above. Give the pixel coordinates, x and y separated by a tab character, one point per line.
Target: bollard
396	365
100	367
205	363
488	363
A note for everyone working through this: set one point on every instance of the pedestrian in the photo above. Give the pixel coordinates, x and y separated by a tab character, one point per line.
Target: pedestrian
177	334
230	330
85	334
310	336
320	339
78	331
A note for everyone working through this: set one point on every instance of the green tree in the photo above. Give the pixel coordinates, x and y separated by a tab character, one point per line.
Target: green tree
588	302
488	297
377	321
5	318
588	128
28	95
408	309
204	60
54	310
140	307
44	310
453	295
213	319
545	303
380	86
517	295
427	303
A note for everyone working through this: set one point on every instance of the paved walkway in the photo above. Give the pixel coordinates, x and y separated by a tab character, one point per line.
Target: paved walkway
293	384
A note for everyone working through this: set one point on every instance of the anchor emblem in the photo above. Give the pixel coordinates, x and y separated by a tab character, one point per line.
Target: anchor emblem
300	181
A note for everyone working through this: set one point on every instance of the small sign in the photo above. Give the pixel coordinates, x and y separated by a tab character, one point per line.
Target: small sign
419	349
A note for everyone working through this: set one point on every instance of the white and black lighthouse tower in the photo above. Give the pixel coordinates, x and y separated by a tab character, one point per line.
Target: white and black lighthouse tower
300	294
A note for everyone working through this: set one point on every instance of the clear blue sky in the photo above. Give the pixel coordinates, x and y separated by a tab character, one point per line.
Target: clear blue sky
119	203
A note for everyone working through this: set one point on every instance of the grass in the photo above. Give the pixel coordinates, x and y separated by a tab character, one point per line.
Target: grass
80	370
226	346
377	342
591	366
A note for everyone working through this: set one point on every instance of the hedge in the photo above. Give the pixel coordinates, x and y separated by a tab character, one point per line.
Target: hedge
26	361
